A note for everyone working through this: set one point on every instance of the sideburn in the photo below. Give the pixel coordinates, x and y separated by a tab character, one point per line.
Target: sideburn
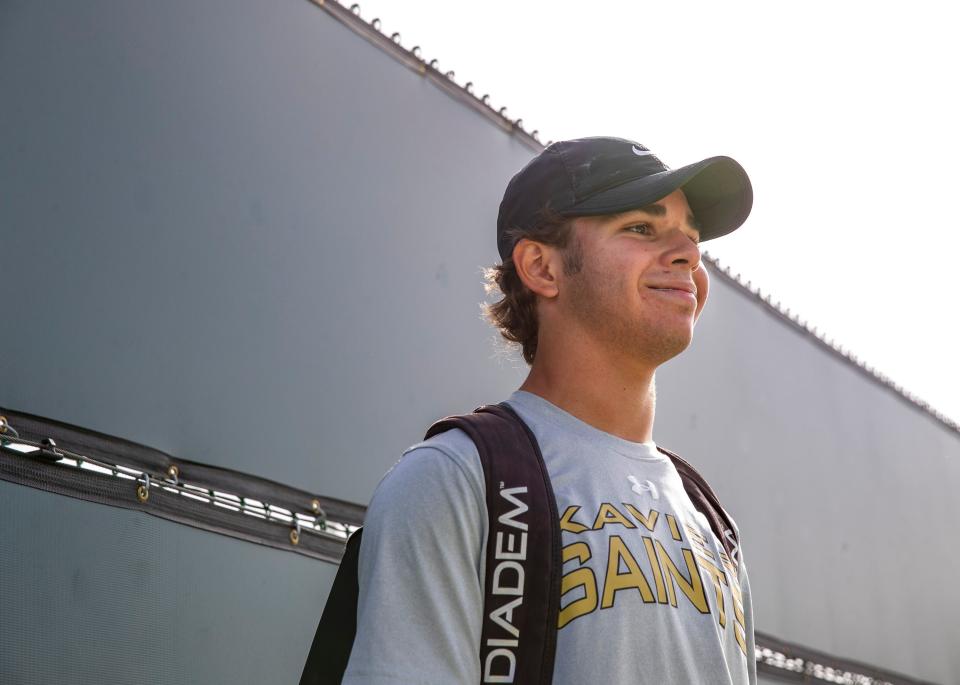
573	258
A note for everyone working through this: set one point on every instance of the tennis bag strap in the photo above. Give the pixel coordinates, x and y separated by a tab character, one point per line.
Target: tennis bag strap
522	589
333	641
705	501
521	602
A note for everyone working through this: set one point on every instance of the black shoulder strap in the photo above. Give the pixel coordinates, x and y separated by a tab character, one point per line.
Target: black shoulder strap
330	651
706	502
523	566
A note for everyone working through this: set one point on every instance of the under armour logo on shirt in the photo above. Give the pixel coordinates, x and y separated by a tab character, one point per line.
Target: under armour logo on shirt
645	486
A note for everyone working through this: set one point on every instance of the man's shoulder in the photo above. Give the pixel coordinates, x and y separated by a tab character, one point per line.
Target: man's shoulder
453	443
450	448
448	460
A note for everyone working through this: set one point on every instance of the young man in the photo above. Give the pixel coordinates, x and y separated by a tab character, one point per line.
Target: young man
601	282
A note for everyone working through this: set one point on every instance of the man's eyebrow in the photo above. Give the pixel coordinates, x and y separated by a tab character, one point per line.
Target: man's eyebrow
653	210
659	210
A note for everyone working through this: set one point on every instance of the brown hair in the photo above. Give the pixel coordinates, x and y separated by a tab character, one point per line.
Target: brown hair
515	313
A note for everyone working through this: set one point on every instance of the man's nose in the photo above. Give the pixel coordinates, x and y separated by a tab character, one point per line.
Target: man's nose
683	250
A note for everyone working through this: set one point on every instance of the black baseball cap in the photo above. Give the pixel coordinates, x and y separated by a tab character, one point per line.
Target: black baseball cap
593	176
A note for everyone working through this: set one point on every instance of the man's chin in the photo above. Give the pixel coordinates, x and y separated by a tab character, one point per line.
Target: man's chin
665	347
678	347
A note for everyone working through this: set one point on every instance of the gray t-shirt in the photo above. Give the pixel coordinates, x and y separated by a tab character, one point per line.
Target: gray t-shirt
649	594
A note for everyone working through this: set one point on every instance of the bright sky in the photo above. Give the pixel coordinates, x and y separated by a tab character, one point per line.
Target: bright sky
845	115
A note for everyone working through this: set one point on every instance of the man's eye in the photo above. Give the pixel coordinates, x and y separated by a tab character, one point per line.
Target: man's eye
643	229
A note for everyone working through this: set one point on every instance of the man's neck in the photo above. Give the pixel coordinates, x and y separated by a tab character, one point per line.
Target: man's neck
616	397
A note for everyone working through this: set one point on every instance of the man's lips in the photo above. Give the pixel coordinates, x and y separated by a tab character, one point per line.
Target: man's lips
685	287
685	291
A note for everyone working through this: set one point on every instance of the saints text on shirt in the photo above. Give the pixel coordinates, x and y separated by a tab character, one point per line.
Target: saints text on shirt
638	561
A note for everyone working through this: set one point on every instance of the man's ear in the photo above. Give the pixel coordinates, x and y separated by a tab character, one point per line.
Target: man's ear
538	266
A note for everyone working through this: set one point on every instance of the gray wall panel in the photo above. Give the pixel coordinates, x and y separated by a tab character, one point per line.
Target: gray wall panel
841	488
245	216
94	594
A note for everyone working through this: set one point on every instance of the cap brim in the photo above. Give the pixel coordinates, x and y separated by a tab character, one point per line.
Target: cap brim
717	189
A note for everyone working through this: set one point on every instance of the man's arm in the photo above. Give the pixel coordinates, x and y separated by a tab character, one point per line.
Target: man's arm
421	570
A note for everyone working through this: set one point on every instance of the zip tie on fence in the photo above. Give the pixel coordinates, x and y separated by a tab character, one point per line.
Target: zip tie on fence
143	491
